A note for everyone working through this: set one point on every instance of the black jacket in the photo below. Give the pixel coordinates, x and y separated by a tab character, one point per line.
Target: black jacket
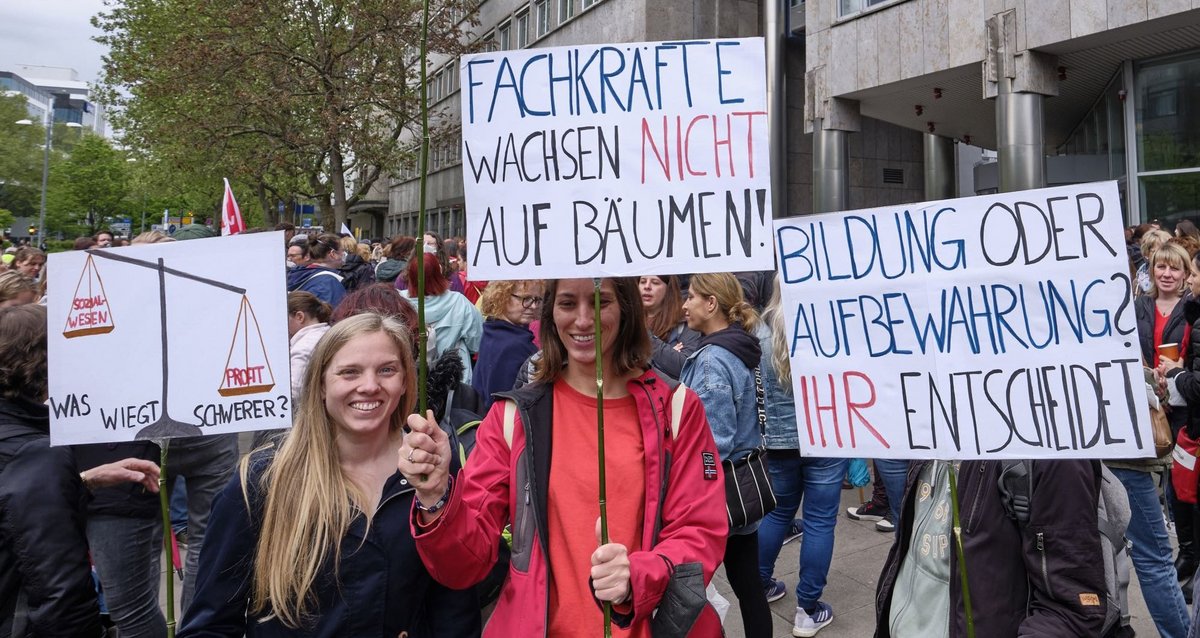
43	547
1172	332
1024	581
1187	378
381	587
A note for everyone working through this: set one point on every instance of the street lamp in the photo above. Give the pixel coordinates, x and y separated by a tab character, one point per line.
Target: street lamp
45	167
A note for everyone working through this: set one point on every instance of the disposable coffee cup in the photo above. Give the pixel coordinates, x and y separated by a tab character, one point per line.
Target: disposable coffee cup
1169	350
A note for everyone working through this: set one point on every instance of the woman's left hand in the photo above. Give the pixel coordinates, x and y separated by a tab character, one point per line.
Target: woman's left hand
610	571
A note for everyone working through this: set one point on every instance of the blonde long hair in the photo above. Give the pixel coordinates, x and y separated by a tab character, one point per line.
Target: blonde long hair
731	301
773	317
310	502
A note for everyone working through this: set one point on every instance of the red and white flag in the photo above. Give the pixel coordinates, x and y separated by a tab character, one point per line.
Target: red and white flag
231	215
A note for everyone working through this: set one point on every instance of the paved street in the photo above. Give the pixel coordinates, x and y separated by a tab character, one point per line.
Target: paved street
858	555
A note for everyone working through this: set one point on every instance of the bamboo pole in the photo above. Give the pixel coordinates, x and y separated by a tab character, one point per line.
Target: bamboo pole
600	437
958	548
422	363
164	500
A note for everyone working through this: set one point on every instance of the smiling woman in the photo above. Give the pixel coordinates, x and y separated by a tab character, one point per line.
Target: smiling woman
316	536
666	510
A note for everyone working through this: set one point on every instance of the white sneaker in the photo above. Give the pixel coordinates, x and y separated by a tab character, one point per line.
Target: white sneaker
807	626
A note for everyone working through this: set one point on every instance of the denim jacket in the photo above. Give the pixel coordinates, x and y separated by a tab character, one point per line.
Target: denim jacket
726	388
780	404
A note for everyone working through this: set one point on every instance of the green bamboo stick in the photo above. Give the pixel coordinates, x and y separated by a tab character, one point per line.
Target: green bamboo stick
958	548
422	364
600	438
164	504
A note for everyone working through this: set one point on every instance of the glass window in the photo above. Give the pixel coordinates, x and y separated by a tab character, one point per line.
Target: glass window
541	12
588	3
522	30
504	36
1170	198
566	10
1168	118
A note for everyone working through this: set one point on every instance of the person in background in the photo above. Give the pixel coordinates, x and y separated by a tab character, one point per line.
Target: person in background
668	516
297	254
355	270
721	371
320	275
1152	239
83	243
815	482
314	539
104	239
459	324
16	289
308	320
1161	319
46	586
396	256
510	306
29	261
673	341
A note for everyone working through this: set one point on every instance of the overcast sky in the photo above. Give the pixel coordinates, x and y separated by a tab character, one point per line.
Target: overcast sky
51	33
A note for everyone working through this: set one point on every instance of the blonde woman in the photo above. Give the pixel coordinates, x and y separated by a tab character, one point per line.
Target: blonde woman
721	371
314	540
509	306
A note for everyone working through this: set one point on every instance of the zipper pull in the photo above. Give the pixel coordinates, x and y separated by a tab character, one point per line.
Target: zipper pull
1041	545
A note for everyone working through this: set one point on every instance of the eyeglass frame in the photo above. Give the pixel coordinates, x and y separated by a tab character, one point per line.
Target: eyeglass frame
527	302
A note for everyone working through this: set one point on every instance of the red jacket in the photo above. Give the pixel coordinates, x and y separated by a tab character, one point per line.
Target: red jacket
502	485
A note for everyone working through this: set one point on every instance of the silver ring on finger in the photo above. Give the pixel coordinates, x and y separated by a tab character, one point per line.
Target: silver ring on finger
410	453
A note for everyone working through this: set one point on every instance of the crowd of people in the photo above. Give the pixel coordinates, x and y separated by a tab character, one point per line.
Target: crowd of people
481	515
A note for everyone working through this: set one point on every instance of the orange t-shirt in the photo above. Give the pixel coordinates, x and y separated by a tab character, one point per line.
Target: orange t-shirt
573	503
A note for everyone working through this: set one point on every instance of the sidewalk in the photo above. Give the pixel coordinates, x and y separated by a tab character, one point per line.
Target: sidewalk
858	555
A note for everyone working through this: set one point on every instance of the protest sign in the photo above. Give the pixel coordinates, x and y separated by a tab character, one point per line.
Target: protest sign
611	160
999	326
166	340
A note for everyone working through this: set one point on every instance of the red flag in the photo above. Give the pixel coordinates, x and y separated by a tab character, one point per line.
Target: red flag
231	215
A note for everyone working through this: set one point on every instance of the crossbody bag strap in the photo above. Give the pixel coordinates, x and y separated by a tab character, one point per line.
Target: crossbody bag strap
760	403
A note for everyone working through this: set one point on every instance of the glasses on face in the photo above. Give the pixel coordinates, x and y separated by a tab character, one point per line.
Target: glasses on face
528	302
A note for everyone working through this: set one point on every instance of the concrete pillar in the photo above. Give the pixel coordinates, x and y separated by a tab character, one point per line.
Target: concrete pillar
774	30
1020	138
939	167
831	169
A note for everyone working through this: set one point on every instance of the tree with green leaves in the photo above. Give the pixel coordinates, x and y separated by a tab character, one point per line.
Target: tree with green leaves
21	161
88	188
307	98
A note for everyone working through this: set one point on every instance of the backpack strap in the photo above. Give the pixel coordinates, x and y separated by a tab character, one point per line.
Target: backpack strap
1015	489
677	399
510	421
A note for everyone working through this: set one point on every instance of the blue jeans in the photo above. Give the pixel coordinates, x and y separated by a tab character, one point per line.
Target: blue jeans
1150	552
818	484
178	502
894	474
127	552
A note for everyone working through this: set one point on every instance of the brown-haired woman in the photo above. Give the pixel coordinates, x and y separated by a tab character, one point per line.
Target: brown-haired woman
16	289
315	539
667	515
673	340
308	319
43	547
509	308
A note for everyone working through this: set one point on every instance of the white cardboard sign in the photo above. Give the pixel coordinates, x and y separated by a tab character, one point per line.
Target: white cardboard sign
614	160
999	326
166	340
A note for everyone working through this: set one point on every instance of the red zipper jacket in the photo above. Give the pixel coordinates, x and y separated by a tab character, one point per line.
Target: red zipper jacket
502	485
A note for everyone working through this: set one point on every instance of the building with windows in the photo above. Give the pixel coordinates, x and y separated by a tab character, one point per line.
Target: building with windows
880	102
56	88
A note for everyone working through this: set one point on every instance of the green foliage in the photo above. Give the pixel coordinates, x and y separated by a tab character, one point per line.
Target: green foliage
6	218
21	161
297	98
89	187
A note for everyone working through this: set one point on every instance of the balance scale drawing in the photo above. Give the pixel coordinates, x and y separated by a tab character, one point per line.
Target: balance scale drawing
92	315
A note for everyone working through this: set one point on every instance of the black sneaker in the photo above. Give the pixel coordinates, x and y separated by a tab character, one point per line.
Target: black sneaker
885	524
868	511
795	530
